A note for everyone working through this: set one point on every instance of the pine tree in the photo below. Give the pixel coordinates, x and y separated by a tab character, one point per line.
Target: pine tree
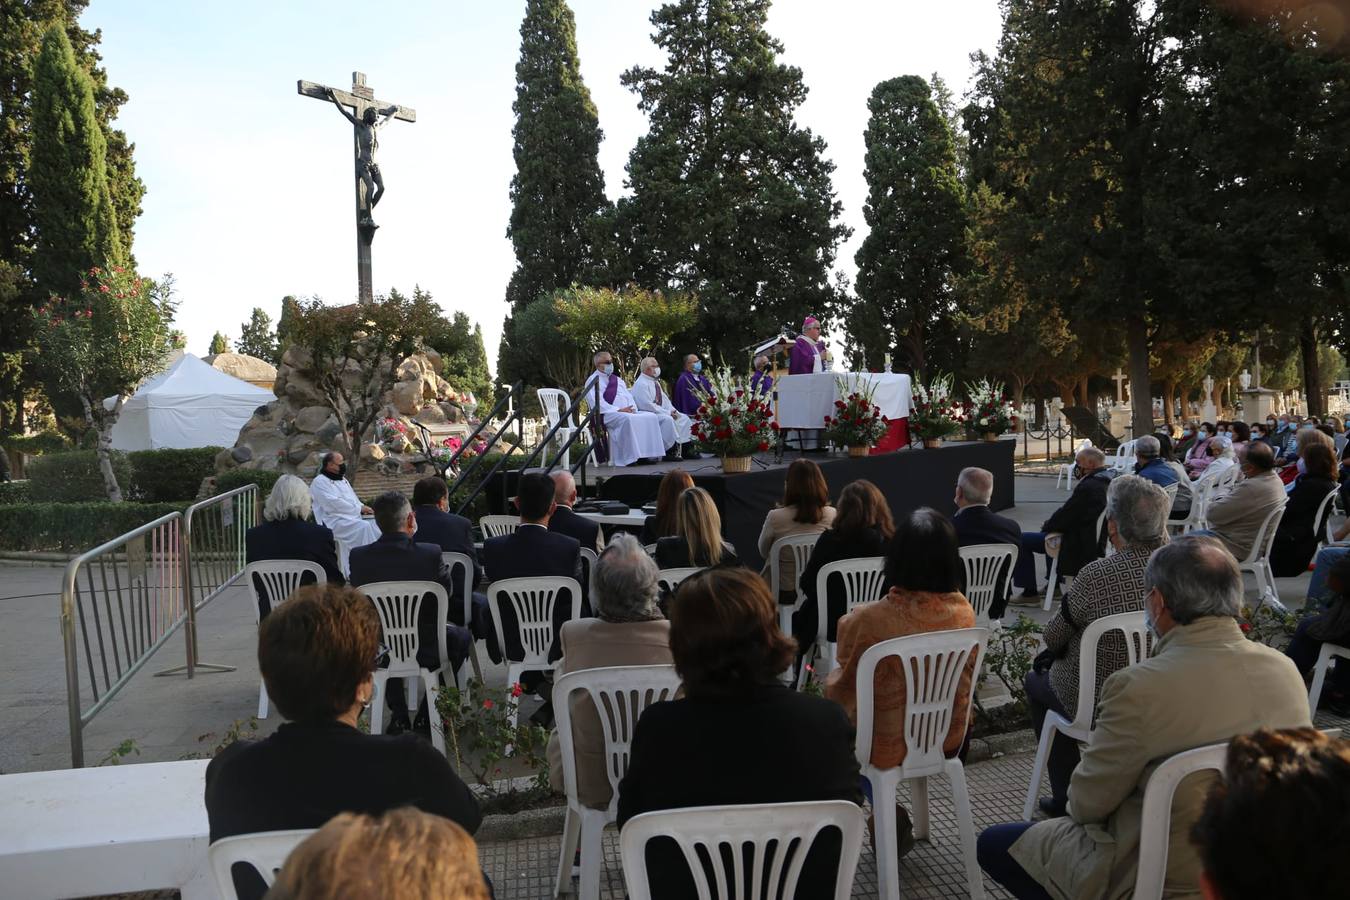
290	309
219	344
72	205
916	214
256	337
731	198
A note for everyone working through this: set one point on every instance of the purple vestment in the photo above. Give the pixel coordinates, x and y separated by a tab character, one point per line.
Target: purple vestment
686	399
761	382
803	360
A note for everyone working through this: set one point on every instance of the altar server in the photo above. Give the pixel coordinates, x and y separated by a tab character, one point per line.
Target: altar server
335	505
652	397
761	381
809	353
633	433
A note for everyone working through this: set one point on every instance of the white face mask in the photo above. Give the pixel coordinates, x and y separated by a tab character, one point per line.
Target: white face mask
607	368
656	373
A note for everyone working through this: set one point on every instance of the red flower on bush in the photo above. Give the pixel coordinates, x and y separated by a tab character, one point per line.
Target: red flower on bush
487	704
1245	626
750	429
517	690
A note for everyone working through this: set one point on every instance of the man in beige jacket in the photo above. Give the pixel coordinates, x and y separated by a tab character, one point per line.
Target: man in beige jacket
1204	684
1235	516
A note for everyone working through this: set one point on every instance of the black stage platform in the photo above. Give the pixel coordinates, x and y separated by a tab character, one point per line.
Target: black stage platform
909	478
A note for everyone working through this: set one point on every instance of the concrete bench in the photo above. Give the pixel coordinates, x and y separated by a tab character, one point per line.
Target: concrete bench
77	832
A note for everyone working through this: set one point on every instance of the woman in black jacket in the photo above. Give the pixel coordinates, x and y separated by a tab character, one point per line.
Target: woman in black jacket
698	535
862	526
1296	538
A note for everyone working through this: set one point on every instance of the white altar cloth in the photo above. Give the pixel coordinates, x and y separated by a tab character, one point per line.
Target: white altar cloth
805	400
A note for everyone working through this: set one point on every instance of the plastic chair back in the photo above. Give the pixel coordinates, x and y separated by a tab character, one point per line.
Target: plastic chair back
669	579
266	852
864	581
398	604
1156	819
588	560
496	526
553	401
715	841
1138	645
280	578
620	694
1322	521
800	546
1265	537
532	600
933	664
988	573
456	563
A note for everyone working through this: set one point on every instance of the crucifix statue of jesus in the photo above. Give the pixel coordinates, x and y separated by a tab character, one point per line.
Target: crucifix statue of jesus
367	115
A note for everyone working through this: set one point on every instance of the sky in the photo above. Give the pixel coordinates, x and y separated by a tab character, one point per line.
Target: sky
249	192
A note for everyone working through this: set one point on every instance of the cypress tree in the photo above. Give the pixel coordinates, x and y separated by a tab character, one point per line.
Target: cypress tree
72	204
731	198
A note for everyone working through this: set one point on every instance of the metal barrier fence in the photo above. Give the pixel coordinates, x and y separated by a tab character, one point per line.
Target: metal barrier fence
121	601
1051	442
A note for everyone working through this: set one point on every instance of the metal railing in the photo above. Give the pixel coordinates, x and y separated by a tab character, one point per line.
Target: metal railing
121	601
1052	442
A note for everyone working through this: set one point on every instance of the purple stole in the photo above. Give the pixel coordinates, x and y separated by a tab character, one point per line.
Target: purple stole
611	389
760	382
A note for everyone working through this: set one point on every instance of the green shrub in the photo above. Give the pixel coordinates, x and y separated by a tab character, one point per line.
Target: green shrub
73	477
13	492
74	527
237	478
36	444
164	476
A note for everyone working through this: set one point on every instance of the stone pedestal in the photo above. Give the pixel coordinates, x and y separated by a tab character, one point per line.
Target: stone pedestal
1258	404
1120	421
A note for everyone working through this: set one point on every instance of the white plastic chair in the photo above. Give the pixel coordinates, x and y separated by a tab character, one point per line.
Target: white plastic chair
554	402
1258	560
1156	817
988	571
464	564
1102	536
265	851
280	578
800	546
1125	457
669	579
933	664
1138	643
496	526
710	835
620	694
531	600
1320	672
1322	521
864	581
399	604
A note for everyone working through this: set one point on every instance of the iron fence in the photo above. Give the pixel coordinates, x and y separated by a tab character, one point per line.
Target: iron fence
1051	442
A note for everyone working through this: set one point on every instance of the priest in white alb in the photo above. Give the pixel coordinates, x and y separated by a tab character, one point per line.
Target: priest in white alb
651	396
336	507
634	434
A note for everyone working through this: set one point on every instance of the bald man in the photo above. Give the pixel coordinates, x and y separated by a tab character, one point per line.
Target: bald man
634	434
564	521
651	395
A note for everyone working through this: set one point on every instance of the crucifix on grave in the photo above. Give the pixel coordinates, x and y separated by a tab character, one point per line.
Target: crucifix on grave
1119	379
367	115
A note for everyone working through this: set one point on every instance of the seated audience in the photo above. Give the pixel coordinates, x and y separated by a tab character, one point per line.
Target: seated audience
1075	522
1295	786
738	736
924	572
1235	514
454	534
804	509
1149	464
335	507
628	630
1222	459
286	533
1239	433
564	521
1330	625
1189	438
1262	433
317	655
1301	529
1197	455
697	540
1203	684
1136	524
662	522
397	557
403	855
1286	439
861	528
976	523
532	551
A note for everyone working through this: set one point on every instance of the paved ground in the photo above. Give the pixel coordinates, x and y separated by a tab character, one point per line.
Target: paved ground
171	717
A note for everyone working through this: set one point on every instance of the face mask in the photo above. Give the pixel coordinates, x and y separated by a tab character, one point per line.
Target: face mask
607	368
1270	423
656	373
1185	432
1204	433
341	470
698	366
1148	619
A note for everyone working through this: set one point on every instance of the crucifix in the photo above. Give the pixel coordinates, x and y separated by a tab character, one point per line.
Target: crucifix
1119	379
367	115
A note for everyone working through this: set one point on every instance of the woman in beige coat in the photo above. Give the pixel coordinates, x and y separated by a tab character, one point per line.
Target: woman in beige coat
805	509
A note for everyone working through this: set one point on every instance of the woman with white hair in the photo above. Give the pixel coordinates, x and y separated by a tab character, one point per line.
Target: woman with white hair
1222	458
287	533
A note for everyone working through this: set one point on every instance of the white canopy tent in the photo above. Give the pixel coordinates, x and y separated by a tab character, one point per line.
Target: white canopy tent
189	404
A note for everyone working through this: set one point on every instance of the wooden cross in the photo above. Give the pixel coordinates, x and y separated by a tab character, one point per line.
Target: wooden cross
360	98
1119	379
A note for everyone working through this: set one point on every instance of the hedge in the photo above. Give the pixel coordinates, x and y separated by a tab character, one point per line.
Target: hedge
170	475
73	527
236	478
36	444
73	477
14	492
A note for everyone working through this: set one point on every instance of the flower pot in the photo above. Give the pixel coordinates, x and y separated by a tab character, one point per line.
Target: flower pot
735	464
859	451
932	443
990	437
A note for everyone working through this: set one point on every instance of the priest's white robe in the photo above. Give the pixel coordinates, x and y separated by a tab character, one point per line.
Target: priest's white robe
632	436
674	428
336	507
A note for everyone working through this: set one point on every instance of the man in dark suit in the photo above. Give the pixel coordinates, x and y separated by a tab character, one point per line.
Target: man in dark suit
1075	521
287	533
532	551
395	556
976	523
564	521
454	534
